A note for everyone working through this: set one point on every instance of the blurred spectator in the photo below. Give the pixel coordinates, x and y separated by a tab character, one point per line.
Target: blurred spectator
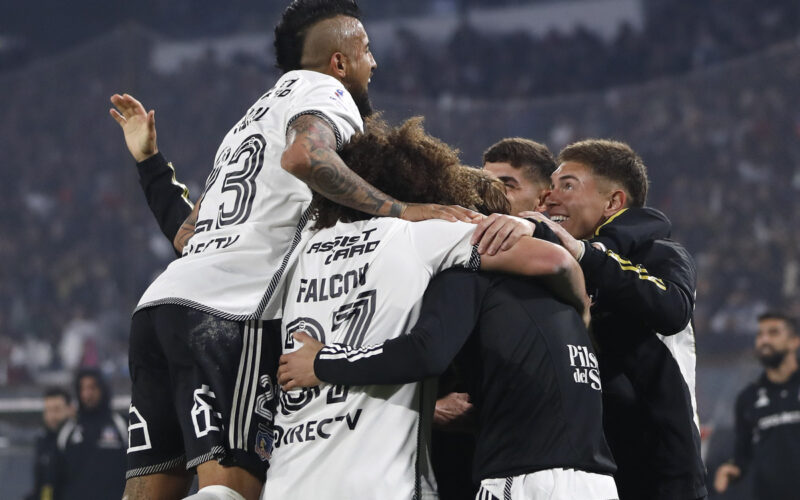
91	458
768	417
57	409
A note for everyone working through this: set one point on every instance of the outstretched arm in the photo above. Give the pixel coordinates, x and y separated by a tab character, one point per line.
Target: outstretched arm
311	156
167	198
555	267
449	312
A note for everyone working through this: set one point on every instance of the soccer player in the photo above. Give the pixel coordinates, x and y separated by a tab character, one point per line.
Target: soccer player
359	281
532	375
199	325
768	416
643	289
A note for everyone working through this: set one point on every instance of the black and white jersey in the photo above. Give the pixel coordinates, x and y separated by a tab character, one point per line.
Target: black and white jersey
253	211
643	286
768	437
527	360
356	284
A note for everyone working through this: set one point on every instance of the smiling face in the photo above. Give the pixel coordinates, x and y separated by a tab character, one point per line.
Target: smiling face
523	193
360	59
579	200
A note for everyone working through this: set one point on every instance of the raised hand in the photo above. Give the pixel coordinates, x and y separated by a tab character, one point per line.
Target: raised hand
138	125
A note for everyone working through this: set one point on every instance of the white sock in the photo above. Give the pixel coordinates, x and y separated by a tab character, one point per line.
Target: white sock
215	492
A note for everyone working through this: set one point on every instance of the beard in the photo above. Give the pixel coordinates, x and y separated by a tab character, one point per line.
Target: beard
364	105
771	358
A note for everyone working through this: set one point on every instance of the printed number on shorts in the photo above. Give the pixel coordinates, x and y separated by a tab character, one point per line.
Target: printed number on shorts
204	418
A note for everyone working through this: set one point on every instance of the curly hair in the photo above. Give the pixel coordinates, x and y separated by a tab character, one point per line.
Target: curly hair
300	15
410	165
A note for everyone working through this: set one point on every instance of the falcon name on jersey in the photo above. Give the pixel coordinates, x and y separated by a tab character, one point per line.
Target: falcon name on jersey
359	284
253	212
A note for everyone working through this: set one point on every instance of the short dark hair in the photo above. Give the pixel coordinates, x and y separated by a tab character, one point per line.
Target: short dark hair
290	33
58	392
408	164
788	320
535	160
614	160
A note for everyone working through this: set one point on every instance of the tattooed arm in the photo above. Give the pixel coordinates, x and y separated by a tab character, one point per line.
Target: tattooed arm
311	156
186	230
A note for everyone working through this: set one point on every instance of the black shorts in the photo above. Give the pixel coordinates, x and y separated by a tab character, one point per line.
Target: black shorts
203	389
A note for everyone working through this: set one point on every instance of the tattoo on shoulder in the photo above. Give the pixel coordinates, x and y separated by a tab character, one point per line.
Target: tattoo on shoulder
315	131
328	174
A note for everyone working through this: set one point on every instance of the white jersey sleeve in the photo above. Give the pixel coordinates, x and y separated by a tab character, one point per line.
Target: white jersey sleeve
441	244
329	100
253	212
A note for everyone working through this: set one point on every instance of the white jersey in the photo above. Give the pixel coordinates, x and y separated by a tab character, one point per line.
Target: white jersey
360	284
253	212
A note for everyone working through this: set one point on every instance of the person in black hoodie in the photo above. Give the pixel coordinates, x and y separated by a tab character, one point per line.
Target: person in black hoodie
90	461
57	410
643	288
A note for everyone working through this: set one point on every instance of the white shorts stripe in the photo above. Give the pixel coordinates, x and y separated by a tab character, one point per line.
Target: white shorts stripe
253	382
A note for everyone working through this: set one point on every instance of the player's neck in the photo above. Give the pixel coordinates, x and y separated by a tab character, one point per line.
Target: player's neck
784	371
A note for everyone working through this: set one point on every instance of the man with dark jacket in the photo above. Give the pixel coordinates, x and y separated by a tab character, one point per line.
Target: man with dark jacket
643	289
529	367
57	409
768	416
91	447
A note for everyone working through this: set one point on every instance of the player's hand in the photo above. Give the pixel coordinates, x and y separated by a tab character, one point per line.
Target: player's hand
572	245
453	412
415	212
500	232
297	369
138	125
725	474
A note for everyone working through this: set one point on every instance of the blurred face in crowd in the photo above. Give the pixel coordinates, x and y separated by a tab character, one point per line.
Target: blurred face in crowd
774	341
581	201
523	193
56	411
90	392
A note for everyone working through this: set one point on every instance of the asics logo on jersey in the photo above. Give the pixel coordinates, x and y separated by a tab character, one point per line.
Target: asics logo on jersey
586	366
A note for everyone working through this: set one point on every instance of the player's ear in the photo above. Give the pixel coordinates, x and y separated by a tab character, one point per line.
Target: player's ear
615	203
338	65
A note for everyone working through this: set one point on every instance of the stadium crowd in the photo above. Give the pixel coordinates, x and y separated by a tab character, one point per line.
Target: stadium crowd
721	145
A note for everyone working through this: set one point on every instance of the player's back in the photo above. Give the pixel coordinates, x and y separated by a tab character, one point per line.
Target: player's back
534	378
360	284
253	212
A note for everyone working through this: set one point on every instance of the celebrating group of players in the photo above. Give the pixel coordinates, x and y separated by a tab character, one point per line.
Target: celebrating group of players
291	351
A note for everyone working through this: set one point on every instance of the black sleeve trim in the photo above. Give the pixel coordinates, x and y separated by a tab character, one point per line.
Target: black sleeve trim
167	198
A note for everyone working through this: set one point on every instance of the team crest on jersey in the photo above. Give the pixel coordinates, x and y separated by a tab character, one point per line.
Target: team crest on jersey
264	440
763	399
339	92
